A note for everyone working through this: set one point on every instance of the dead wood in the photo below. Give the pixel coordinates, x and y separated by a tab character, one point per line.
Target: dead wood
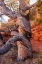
29	7
9	43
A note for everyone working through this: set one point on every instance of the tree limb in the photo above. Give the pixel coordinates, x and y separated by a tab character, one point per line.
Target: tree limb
28	7
9	43
7	10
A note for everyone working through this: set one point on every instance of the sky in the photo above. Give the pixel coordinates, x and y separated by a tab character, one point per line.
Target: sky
5	18
32	1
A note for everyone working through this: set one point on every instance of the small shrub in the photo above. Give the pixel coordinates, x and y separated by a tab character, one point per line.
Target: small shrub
39	61
39	21
40	11
40	53
39	3
31	16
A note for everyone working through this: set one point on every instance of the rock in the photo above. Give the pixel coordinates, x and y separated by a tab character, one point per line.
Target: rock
36	45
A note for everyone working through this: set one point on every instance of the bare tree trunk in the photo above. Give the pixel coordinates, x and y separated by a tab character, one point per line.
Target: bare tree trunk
29	6
23	3
25	45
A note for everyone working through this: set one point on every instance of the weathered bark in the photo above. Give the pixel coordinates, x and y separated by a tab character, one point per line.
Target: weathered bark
29	6
23	52
26	44
23	3
9	43
7	11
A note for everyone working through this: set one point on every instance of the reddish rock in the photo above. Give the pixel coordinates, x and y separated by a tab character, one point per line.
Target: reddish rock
36	40
37	32
36	45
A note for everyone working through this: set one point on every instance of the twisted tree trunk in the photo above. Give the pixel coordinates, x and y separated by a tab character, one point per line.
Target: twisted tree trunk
25	45
18	37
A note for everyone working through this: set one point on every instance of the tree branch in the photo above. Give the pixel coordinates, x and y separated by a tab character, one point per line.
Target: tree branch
9	43
7	10
28	7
